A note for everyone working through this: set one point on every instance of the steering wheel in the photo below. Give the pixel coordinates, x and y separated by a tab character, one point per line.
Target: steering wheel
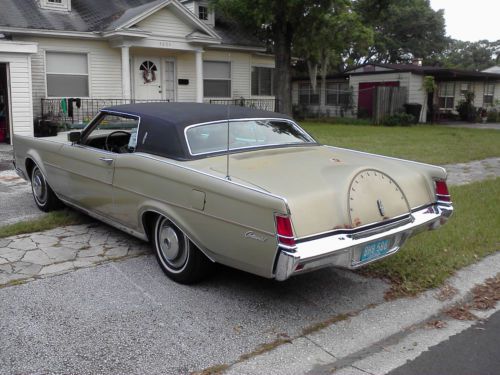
109	147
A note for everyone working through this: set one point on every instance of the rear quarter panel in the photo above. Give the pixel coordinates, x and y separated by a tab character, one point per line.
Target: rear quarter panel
215	213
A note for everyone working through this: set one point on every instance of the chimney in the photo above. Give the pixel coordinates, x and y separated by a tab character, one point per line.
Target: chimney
417	62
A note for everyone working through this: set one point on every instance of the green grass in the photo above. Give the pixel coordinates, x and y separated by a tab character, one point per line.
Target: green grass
430	257
426	143
50	221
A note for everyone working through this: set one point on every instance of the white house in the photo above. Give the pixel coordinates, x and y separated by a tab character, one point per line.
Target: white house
96	50
361	83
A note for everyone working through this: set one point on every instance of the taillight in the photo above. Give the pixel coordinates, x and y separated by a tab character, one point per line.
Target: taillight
442	193
285	231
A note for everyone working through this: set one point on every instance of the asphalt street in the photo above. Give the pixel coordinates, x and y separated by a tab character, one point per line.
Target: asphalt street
475	351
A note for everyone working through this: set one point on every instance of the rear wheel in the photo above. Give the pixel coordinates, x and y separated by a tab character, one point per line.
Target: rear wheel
178	257
43	194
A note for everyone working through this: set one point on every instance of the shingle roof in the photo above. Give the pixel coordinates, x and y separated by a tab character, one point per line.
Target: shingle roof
436	71
98	15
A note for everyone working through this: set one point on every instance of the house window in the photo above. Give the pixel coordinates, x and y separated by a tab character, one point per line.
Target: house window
447	95
337	94
465	87
67	74
216	79
489	93
203	13
306	95
56	4
262	81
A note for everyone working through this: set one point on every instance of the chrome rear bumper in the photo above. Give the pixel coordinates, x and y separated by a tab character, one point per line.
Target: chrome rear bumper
343	248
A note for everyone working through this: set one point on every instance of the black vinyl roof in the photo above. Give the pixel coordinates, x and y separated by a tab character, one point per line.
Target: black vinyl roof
161	129
185	114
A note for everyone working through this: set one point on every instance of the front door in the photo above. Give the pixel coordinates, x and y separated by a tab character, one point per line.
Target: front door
147	78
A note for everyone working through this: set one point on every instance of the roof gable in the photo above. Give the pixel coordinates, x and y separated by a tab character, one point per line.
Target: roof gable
167	17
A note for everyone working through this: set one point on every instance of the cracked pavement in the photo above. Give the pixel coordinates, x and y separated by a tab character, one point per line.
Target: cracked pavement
30	256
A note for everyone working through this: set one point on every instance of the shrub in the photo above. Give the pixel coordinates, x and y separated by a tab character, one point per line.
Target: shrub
399	119
493	116
466	109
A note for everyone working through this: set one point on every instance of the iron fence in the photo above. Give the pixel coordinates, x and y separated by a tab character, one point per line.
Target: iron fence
263	104
76	113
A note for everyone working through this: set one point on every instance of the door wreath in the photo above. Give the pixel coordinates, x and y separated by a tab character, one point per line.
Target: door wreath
148	69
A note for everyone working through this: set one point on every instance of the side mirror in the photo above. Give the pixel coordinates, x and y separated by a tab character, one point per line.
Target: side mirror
74	137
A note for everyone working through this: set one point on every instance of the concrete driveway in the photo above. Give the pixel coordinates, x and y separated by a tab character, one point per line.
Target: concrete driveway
126	317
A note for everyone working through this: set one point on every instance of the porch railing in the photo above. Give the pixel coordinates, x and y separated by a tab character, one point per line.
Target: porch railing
76	113
263	104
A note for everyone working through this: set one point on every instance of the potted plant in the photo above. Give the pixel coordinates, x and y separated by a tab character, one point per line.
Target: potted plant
483	114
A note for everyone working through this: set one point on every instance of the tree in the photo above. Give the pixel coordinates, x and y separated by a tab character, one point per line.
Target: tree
278	21
329	41
469	55
403	30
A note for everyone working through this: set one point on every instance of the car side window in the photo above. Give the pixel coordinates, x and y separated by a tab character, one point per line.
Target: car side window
113	133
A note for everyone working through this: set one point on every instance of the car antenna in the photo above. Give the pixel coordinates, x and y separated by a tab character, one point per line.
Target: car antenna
227	148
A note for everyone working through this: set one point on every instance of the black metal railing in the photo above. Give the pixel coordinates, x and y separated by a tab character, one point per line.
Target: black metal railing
73	113
264	104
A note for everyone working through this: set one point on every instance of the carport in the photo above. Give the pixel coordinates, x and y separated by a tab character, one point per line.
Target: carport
16	102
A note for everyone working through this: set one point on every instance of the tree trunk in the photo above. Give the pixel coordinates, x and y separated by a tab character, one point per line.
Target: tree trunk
313	74
322	90
283	56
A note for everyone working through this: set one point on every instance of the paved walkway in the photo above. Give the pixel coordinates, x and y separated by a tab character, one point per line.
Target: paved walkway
465	173
30	256
493	126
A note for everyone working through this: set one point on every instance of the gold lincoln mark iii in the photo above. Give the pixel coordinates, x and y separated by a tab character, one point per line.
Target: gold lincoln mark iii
242	187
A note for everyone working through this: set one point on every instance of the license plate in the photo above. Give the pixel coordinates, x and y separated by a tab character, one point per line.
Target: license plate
374	250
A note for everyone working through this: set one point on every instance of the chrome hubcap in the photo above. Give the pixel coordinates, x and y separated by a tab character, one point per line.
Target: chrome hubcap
39	187
173	245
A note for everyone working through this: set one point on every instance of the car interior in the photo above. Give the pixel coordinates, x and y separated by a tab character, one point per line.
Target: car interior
113	133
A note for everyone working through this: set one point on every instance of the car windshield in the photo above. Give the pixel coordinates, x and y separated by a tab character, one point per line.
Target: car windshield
211	138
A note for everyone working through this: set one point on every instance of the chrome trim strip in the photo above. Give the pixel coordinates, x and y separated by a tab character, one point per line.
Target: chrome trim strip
294	124
105	219
366	227
342	250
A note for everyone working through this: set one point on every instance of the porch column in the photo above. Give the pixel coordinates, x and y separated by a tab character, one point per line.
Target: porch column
199	76
125	72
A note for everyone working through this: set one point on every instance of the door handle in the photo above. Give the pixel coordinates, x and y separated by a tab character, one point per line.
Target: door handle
107	160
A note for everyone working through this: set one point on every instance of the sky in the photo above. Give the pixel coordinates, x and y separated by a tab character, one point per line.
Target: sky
470	20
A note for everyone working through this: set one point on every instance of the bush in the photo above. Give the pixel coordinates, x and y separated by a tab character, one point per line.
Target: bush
466	109
399	119
493	116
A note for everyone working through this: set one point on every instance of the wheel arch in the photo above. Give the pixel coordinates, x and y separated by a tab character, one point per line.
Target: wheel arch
148	217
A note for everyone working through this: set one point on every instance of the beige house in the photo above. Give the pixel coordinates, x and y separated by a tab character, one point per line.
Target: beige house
96	51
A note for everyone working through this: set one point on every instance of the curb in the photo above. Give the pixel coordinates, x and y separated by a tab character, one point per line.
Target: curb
362	344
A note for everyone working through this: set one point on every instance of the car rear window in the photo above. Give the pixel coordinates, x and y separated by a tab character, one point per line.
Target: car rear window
213	137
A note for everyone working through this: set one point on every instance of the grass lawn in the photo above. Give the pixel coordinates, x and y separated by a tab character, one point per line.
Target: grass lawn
426	143
429	258
51	220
